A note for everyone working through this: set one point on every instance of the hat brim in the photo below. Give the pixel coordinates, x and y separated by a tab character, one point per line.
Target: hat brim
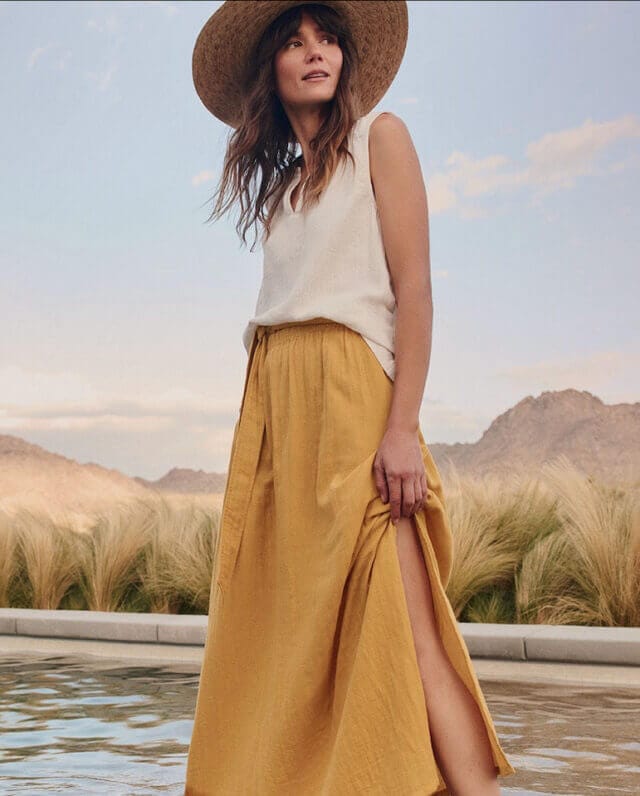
228	39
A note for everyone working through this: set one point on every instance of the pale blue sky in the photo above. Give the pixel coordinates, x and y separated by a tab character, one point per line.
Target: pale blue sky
121	310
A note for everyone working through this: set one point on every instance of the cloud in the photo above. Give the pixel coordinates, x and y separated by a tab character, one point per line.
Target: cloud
54	401
35	54
594	371
108	24
443	423
101	80
169	9
203	176
61	63
557	159
38	52
553	162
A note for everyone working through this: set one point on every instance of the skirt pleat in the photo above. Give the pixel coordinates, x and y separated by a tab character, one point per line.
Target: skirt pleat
310	682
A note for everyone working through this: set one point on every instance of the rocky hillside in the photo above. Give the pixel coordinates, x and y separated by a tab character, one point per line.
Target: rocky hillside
33	476
601	439
183	480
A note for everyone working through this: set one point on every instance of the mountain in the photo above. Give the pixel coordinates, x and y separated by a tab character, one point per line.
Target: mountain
185	481
602	440
33	477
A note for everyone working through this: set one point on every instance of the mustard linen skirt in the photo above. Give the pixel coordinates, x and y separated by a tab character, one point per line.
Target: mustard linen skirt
310	683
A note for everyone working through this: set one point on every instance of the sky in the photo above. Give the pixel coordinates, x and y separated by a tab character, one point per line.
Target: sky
122	308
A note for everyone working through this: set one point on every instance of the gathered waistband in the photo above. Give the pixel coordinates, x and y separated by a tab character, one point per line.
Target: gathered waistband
264	331
267	329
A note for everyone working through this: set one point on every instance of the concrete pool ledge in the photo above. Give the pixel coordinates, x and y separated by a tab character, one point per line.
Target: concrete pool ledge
104	626
517	643
564	643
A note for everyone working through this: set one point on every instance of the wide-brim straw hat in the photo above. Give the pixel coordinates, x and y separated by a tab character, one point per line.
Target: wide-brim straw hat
226	44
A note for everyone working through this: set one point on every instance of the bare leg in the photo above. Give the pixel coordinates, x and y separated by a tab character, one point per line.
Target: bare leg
459	737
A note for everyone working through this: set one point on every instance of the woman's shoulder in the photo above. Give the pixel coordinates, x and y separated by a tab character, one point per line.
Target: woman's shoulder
374	120
380	117
388	130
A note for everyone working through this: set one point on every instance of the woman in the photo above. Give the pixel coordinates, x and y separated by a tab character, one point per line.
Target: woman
333	662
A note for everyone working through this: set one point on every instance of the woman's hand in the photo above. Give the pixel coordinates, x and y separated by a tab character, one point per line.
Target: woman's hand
399	472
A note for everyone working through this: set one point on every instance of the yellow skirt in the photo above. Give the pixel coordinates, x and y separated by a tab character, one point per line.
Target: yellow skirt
310	684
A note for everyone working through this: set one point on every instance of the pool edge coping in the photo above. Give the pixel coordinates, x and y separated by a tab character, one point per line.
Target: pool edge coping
507	642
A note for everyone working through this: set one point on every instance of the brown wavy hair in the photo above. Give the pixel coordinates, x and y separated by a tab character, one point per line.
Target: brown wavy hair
262	149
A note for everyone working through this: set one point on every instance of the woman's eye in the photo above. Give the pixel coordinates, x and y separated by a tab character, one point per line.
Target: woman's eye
328	38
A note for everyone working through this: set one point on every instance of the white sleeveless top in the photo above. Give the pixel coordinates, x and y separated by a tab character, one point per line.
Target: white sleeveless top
329	261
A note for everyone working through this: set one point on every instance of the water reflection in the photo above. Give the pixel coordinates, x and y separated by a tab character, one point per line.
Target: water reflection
84	725
78	725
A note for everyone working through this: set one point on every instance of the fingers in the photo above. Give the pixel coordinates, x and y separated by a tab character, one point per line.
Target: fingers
380	480
395	496
419	501
423	480
407	495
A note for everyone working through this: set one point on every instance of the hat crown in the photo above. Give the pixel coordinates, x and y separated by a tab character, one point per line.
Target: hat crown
226	44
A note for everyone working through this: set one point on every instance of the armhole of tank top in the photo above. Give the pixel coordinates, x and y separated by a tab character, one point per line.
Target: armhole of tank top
364	149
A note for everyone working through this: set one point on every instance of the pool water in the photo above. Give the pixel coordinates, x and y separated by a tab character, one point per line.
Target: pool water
85	725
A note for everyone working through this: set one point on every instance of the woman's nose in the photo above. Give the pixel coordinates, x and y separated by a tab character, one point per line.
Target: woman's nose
314	50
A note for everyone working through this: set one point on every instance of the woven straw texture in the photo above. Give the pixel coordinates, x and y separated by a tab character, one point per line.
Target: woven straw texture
224	48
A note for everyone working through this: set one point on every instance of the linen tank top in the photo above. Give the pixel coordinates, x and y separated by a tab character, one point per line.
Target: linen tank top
329	261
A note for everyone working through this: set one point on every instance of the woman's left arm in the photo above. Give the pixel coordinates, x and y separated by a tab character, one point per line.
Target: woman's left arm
402	206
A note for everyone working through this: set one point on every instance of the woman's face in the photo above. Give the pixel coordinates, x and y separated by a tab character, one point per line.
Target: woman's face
312	49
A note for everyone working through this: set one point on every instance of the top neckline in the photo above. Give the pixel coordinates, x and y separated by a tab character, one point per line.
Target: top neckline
298	173
292	185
